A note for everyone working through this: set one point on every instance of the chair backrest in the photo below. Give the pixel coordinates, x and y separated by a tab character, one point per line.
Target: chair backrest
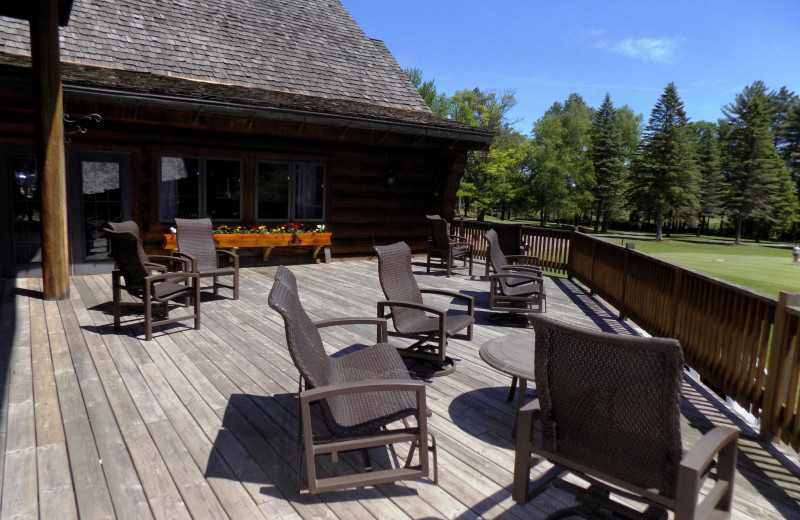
496	255
397	281
437	229
286	276
196	237
124	251
302	337
131	227
509	236
610	402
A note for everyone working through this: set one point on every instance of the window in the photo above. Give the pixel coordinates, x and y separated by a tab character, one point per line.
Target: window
289	191
192	187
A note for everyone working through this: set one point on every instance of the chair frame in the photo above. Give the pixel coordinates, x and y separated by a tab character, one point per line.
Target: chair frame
154	262
430	345
220	254
512	275
694	468
312	445
148	293
447	252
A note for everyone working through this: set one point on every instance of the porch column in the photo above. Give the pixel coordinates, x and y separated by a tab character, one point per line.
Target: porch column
49	120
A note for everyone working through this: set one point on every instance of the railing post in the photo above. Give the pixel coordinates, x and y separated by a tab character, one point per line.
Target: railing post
570	250
594	259
675	303
780	356
623	304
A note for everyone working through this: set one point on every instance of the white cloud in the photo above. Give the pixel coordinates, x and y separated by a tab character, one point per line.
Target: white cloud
659	50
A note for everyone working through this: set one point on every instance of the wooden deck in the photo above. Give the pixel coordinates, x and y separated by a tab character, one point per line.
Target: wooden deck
202	424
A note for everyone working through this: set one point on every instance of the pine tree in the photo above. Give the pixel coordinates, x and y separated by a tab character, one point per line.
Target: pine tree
608	160
711	181
664	175
760	185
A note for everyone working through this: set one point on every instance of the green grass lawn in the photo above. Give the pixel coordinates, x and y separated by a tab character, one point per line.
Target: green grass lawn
766	269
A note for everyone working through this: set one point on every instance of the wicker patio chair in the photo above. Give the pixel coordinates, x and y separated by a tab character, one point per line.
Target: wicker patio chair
609	409
366	397
514	287
413	319
196	242
509	235
152	262
151	289
447	248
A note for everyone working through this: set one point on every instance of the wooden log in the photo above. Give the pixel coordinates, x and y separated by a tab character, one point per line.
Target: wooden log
50	149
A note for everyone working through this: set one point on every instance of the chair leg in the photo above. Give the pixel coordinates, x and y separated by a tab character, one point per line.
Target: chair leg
196	304
236	284
116	303
148	314
216	285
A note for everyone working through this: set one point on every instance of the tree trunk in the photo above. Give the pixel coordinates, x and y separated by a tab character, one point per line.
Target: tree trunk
659	222
739	220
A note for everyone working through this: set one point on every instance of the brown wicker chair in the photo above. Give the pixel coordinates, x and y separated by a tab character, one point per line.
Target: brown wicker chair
413	319
509	235
609	409
156	263
447	248
514	287
361	394
150	288
196	242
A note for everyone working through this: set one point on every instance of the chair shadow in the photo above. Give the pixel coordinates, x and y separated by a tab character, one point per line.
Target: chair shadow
257	443
485	413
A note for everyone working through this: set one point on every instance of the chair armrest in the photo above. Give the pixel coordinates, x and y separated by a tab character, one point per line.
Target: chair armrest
192	260
694	466
524	276
161	268
460	238
166	276
517	258
522	268
469	300
226	252
383	328
411	305
356	387
185	263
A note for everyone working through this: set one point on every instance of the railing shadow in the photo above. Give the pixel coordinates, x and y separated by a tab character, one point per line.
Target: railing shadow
601	315
8	325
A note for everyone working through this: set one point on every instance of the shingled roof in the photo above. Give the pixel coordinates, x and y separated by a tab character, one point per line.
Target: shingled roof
293	54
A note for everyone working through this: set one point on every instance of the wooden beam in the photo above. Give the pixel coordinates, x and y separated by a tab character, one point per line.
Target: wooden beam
50	149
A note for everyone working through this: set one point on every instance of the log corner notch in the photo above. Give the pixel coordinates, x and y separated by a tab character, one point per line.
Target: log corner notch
44	17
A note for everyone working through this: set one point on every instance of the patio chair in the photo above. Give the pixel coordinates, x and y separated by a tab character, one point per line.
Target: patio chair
366	397
447	248
609	410
514	287
151	289
156	263
509	235
196	242
413	319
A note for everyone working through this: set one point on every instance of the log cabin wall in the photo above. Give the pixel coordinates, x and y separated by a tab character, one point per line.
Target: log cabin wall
379	184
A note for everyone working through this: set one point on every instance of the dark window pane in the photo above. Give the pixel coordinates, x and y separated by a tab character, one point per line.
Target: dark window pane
272	201
223	189
179	191
27	224
309	191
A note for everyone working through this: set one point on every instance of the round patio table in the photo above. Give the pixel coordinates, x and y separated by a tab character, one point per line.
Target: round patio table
512	355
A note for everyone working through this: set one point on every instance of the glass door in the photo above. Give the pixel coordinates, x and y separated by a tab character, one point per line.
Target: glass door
100	191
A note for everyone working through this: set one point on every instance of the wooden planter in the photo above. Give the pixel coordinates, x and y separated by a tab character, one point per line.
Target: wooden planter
268	241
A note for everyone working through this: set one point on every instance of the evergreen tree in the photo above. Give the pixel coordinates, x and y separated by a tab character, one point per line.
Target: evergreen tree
786	127
438	102
760	185
663	177
608	160
711	181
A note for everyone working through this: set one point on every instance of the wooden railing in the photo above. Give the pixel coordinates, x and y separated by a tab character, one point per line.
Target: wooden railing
743	342
550	245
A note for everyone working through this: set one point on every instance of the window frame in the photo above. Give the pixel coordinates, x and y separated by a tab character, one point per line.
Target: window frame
291	202
202	196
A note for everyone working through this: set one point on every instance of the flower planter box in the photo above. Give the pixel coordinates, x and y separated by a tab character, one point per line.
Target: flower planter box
267	241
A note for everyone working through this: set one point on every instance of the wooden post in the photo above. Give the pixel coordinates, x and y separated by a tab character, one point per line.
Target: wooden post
780	358
50	148
623	304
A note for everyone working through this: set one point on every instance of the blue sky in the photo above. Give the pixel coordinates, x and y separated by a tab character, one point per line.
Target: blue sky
545	50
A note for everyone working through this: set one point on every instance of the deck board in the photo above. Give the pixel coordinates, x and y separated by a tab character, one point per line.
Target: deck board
202	424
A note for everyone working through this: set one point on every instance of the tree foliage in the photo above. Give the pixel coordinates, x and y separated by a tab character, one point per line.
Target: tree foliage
760	185
438	102
664	175
608	160
712	185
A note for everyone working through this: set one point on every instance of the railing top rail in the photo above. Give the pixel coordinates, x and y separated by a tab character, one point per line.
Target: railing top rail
766	298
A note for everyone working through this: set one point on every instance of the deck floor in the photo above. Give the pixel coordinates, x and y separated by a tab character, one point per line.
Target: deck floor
202	424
